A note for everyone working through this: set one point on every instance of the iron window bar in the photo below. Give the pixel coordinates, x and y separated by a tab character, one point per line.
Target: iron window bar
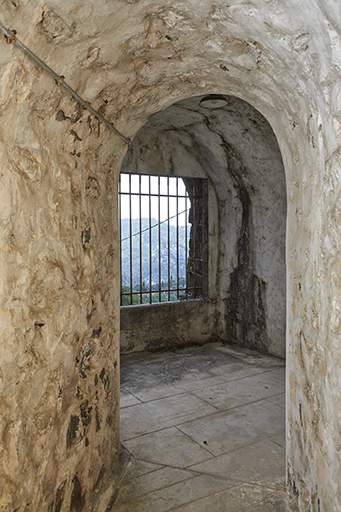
157	290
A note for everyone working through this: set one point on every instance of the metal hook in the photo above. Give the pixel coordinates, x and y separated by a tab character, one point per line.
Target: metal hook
10	40
61	81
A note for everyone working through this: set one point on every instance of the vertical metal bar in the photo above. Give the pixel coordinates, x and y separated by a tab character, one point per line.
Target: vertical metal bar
120	228
186	243
177	238
194	242
159	218
140	214
130	245
168	215
150	243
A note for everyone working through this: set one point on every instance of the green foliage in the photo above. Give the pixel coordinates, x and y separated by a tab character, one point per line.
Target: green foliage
152	247
126	299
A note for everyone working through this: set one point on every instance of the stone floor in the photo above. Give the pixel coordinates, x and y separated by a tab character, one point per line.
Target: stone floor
205	428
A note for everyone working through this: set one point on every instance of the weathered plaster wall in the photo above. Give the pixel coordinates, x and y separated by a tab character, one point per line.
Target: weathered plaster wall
235	149
133	59
166	326
59	363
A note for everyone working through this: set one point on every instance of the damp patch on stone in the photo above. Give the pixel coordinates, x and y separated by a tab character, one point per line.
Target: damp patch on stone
86	354
86	235
77	498
72	431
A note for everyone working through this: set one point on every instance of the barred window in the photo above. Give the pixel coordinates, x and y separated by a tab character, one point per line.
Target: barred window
163	238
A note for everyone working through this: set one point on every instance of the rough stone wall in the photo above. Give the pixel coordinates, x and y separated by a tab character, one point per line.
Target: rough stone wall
59	362
235	149
134	59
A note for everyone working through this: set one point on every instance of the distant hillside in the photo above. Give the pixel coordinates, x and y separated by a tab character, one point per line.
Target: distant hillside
155	252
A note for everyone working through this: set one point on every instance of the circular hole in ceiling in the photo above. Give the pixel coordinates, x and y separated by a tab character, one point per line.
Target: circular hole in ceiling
213	101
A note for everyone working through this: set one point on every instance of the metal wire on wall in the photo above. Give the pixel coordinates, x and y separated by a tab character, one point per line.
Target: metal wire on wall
11	37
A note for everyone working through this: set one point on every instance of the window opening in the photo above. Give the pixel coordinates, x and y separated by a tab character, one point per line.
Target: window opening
161	238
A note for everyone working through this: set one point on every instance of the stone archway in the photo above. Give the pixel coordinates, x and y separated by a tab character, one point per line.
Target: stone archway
59	372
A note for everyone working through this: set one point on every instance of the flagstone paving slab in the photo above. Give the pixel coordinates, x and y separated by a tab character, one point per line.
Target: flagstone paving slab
205	428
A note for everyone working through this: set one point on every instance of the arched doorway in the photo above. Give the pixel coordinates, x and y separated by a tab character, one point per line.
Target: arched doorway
58	212
235	149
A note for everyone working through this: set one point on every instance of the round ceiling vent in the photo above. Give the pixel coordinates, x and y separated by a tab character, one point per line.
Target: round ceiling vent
213	101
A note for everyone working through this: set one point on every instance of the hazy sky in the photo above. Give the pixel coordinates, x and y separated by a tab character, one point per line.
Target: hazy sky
168	208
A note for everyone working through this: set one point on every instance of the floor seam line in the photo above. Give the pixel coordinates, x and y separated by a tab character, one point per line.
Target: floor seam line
253	442
201	498
196	442
160	488
220	411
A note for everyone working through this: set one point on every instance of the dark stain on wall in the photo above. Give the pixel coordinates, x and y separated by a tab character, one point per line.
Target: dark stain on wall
292	484
85	356
91	308
107	379
100	478
245	303
96	332
57	502
112	501
85	413
98	420
92	187
72	431
112	414
77	498
86	235
59	497
75	136
79	394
